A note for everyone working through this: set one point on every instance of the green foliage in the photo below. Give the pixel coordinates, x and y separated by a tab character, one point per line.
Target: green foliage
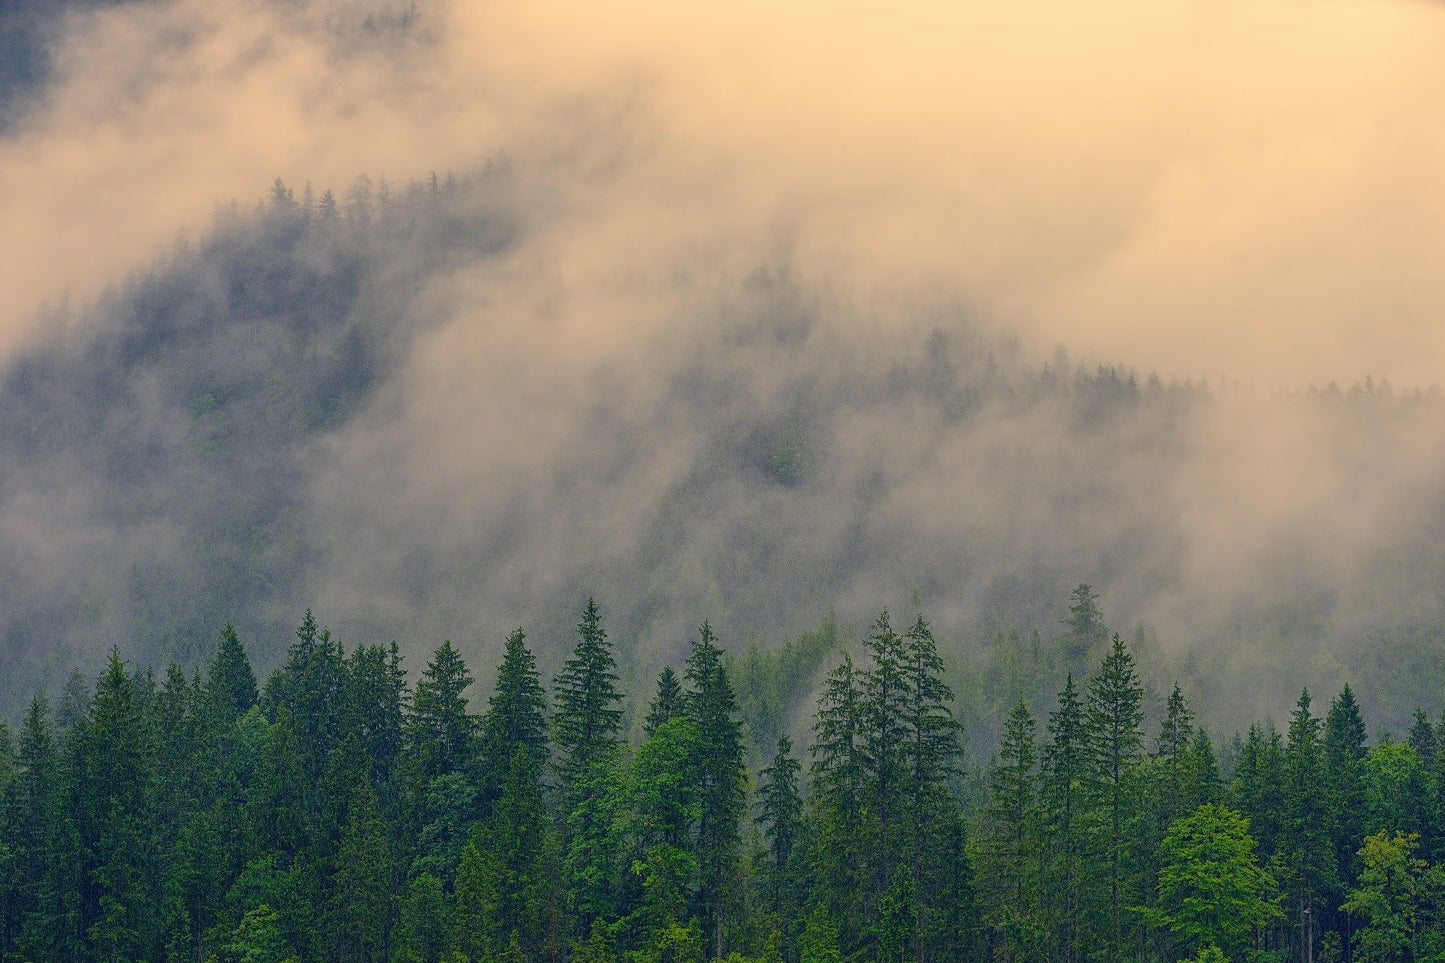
1212	892
163	821
1387	898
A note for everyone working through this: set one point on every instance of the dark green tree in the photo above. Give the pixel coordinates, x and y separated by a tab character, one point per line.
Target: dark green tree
230	681
1113	742
1012	841
440	733
666	702
716	763
585	727
780	810
516	714
1063	773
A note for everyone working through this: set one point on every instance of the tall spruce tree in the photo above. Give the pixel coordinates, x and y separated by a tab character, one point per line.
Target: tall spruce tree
780	810
587	718
885	745
931	750
1013	843
836	774
516	712
717	765
1113	742
585	726
441	734
1304	833
230	681
1064	767
666	701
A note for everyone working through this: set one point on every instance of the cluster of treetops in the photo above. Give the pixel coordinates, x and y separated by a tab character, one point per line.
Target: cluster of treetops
343	813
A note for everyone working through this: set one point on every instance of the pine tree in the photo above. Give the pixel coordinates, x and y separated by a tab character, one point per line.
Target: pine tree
836	774
585	727
1305	842
362	883
440	733
666	703
1422	737
885	747
1063	777
587	719
32	821
780	810
717	765
1344	789
1173	750
1086	633
230	681
1012	841
517	711
931	750
1112	746
112	808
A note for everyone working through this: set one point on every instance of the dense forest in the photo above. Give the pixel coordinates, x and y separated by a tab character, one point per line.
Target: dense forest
346	811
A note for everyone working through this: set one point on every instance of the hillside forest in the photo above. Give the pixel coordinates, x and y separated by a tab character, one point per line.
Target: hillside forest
347	810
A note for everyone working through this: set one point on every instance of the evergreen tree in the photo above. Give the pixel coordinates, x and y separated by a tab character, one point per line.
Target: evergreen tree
885	747
1113	742
1012	842
1344	789
1305	842
717	765
837	788
440	732
361	909
587	719
1422	737
33	831
517	711
230	682
112	809
666	703
1173	750
585	727
1086	633
780	810
1064	767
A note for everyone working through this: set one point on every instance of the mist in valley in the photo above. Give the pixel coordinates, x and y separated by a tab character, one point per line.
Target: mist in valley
747	315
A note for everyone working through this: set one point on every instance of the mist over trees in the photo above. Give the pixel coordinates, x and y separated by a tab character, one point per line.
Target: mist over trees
328	398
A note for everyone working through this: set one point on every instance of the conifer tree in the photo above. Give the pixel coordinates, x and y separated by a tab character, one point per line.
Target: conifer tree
439	730
1012	841
1305	842
885	748
780	810
585	727
517	711
1112	746
838	795
32	829
587	719
112	808
230	681
666	702
717	766
1172	749
1064	769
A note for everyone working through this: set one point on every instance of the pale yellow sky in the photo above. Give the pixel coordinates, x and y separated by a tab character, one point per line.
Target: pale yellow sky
1217	186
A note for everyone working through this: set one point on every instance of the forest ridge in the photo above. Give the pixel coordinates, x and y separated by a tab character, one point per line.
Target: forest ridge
343	812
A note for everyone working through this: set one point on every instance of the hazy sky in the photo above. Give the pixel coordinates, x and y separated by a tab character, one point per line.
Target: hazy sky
1224	187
